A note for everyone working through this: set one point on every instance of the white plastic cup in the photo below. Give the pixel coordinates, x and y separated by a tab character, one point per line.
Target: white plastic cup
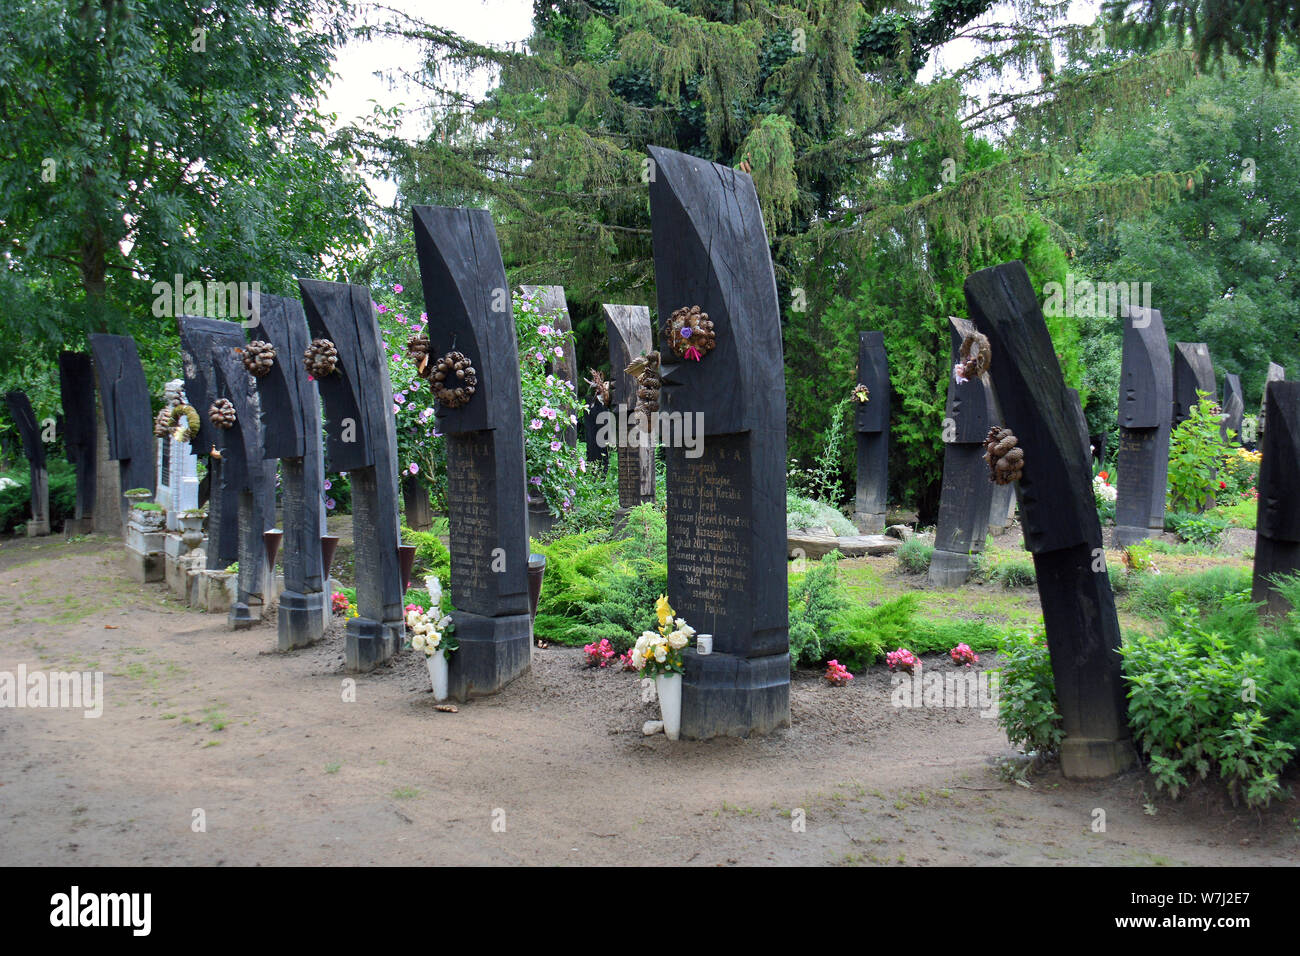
704	644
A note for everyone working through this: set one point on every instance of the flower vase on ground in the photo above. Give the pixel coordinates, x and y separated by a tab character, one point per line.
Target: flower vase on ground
669	689
437	662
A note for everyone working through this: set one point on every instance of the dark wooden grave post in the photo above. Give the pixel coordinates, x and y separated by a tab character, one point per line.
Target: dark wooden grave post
966	496
361	433
291	432
1234	408
1193	372
726	498
251	478
1059	516
201	340
468	303
630	337
124	397
1275	373
871	424
77	388
1145	406
20	407
1277	522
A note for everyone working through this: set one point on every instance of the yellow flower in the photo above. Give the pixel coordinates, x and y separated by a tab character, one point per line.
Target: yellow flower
663	609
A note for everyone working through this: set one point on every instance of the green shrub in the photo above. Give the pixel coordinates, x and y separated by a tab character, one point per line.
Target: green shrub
861	635
16	499
431	555
817	598
1027	710
914	556
1199	529
805	514
1192	712
1196	450
1013	573
1153	595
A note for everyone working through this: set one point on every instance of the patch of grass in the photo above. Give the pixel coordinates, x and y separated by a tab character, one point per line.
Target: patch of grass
1151	595
333	767
405	793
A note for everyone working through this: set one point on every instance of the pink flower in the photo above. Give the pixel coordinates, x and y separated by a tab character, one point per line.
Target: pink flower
328	484
413	468
540	356
535	424
397	288
559	351
399	398
381	307
543	330
555	446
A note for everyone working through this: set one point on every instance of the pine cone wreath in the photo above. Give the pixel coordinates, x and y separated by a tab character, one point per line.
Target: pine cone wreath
690	333
973	357
417	347
599	386
321	358
258	357
162	424
1005	457
454	380
222	414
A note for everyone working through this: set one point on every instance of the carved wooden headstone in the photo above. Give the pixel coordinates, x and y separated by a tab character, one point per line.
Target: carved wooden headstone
630	336
291	432
1193	372
555	310
124	398
250	477
77	388
726	498
1275	373
1145	403
871	425
1059	517
966	496
1234	409
361	434
463	280
201	340
20	408
1277	522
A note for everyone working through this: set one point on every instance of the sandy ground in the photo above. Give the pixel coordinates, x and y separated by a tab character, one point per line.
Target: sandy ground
202	722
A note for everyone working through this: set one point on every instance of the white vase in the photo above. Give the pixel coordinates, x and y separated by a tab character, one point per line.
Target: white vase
669	689
438	674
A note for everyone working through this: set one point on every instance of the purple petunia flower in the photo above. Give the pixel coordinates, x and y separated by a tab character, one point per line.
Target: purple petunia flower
555	446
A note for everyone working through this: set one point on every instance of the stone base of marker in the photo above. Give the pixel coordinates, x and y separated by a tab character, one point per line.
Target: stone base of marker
869	523
1084	758
949	569
368	643
493	652
1272	557
144	552
728	696
213	591
299	619
37	529
76	526
1125	535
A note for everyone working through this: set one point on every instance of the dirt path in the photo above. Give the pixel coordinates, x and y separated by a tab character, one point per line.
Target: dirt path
285	771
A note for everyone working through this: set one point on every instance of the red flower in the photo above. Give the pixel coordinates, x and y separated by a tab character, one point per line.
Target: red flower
1223	484
1105	476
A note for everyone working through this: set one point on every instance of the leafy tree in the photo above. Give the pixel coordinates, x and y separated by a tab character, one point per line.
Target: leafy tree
144	138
